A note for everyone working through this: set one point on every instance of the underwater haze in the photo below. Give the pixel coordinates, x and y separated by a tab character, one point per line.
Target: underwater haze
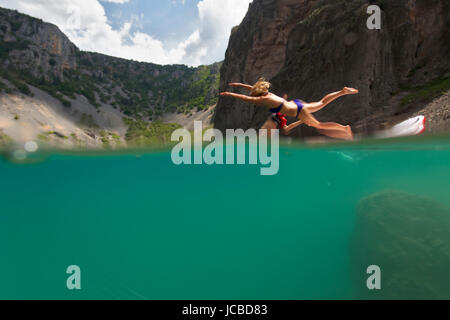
140	227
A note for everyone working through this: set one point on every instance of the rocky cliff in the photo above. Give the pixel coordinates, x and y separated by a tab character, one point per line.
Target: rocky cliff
37	47
308	48
42	71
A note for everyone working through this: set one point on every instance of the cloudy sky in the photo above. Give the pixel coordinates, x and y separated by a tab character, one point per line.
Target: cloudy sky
191	32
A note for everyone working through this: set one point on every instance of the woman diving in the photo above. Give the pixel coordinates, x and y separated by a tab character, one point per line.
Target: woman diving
302	111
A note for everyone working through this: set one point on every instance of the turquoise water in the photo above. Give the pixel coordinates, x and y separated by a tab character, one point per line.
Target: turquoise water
140	227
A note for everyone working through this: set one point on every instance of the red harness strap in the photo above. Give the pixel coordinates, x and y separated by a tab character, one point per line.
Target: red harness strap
283	121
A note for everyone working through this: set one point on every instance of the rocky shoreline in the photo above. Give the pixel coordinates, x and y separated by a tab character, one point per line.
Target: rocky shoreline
309	48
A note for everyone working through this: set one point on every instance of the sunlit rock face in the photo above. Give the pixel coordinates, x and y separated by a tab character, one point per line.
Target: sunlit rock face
408	237
309	48
38	47
257	48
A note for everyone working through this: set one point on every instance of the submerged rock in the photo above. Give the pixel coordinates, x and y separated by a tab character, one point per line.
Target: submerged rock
408	237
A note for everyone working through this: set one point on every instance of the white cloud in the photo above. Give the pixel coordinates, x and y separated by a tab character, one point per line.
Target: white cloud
176	1
115	1
86	24
217	17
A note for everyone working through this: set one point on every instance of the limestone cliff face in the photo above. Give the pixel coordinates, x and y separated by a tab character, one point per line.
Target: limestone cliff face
48	85
40	48
257	48
308	48
33	52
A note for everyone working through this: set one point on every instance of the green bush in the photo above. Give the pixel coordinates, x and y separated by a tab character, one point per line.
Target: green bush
427	92
141	133
150	90
88	121
15	79
4	139
23	88
66	103
15	25
7	47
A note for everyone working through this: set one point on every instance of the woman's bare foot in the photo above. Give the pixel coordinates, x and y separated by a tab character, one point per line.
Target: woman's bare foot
347	90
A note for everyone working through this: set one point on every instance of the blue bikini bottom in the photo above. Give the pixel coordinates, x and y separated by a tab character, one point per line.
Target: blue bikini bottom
297	102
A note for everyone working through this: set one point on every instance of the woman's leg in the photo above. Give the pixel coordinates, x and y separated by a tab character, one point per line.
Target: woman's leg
337	134
269	125
331	129
316	106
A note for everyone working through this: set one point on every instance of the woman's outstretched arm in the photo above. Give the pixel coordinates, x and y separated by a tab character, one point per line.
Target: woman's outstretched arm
242	97
236	84
287	130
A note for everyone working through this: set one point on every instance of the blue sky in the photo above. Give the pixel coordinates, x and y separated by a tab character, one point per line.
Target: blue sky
170	20
191	32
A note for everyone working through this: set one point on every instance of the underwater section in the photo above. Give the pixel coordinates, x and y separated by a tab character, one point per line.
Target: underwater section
408	236
140	227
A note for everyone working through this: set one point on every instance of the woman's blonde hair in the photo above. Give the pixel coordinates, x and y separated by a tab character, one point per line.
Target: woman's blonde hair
260	88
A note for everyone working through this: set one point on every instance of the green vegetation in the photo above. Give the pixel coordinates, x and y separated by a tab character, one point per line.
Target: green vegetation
66	103
43	137
7	47
153	90
57	134
143	92
16	117
87	121
4	139
3	86
23	88
414	70
15	80
352	14
116	139
141	133
199	90
78	142
104	138
20	78
109	137
139	90
427	92
15	25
